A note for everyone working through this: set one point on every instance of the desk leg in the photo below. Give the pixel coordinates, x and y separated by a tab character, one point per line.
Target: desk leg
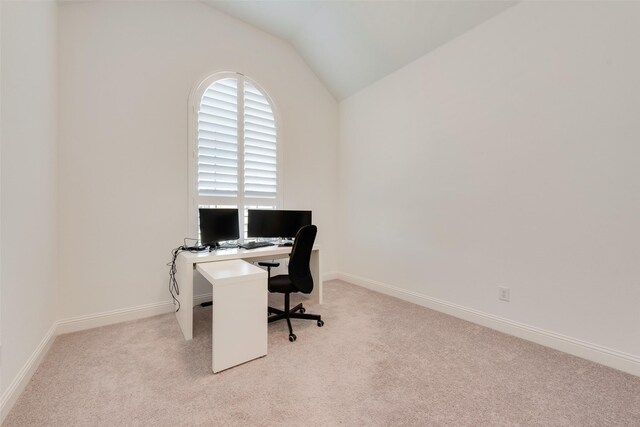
185	284
314	264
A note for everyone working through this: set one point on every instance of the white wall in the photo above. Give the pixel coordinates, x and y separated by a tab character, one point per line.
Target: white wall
29	181
508	157
1	386
126	71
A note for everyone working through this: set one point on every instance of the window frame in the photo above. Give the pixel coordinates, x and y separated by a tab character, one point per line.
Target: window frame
195	199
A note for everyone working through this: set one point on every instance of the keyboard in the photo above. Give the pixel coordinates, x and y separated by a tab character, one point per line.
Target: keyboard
255	245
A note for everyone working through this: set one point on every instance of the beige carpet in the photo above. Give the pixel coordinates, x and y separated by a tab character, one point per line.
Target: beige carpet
377	361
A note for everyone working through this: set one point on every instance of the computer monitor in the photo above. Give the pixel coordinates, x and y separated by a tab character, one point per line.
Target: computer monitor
292	221
218	225
276	223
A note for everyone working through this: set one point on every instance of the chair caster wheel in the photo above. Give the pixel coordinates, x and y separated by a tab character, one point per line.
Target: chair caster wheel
320	323
302	310
292	337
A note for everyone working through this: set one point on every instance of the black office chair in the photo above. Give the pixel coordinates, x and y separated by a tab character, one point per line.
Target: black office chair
298	280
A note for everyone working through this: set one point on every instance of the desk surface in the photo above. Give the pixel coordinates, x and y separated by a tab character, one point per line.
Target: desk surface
231	271
239	253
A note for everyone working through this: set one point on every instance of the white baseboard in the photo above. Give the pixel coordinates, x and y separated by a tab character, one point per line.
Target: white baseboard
331	275
13	391
80	323
593	352
199	299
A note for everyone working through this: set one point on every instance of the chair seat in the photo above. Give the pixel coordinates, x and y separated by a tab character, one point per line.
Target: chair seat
281	284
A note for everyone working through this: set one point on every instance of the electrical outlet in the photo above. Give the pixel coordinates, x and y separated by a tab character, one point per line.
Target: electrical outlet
504	293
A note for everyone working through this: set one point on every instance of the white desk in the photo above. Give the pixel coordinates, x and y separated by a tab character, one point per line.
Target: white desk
186	262
239	324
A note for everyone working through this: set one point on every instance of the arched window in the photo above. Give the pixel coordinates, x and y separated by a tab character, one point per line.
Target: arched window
235	147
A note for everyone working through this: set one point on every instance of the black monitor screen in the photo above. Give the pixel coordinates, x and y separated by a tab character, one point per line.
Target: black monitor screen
218	225
276	223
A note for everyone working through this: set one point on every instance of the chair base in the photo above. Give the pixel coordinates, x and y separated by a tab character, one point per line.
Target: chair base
297	312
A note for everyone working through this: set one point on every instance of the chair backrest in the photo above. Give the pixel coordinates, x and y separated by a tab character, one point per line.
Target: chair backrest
299	271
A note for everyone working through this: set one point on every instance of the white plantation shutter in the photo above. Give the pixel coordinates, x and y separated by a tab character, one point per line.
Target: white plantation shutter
260	165
236	156
218	140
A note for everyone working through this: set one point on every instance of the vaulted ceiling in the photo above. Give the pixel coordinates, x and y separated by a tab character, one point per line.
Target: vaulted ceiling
351	44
